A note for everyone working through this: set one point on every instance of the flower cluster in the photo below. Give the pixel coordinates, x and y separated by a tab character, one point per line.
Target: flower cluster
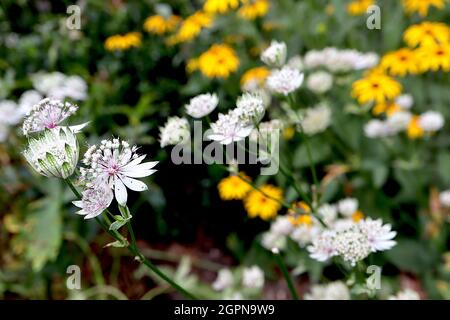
57	85
175	131
123	42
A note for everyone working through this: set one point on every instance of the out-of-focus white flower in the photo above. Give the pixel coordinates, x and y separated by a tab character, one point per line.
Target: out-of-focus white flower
253	277
405	101
49	114
348	206
228	129
47	82
305	234
271	240
94	201
266	130
333	291
281	226
175	131
316	119
328	213
202	105
399	121
444	198
249	108
4	131
319	82
285	80
28	99
352	245
9	112
366	61
343	224
431	121
275	54
54	153
224	280
380	236
323	247
376	128
116	164
336	60
59	86
296	62
233	296
406	294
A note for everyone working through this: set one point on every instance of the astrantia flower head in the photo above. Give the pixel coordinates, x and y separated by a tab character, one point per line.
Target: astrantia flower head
175	131
228	129
253	277
333	291
249	108
116	164
380	236
319	82
399	121
376	128
285	80
322	247
10	112
316	120
431	121
405	101
224	280
49	114
352	245
275	54
202	105
94	201
348	206
53	153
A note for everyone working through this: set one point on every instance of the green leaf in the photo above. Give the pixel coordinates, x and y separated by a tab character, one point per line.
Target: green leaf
413	256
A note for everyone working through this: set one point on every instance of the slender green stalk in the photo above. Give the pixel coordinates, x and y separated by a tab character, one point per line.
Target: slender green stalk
286	274
133	248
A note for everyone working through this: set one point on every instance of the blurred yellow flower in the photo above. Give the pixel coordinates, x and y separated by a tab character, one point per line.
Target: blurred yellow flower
255	76
160	25
434	58
414	130
359	7
123	42
220	6
427	33
219	61
253	9
376	87
288	133
400	62
233	187
389	108
192	65
357	216
192	26
422	6
296	218
264	203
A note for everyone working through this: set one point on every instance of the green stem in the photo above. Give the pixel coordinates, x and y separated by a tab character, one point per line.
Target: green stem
286	275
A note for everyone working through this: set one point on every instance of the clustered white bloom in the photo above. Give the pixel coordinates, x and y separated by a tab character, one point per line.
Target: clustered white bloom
175	131
406	294
275	54
431	121
10	113
316	119
224	280
336	60
352	245
94	201
202	105
284	80
115	163
332	291
444	198
49	114
253	277
348	206
54	153
319	82
60	86
405	101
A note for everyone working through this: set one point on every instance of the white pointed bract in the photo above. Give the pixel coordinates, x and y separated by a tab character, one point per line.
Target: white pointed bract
228	129
175	131
323	247
116	164
54	153
49	114
94	201
202	105
285	80
380	236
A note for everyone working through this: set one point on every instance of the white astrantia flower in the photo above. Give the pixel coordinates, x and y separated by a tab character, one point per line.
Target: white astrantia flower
328	213
376	128
285	80
271	240
332	291
319	82
60	86
27	100
305	234
380	236
348	206
431	121
202	105
343	224
94	201
46	82
296	62
4	131
53	153
281	226
228	129
399	121
352	245
10	112
275	54
249	109
405	101
253	277
224	280
175	131
316	119
406	294
74	87
49	114
444	198
116	164
323	247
